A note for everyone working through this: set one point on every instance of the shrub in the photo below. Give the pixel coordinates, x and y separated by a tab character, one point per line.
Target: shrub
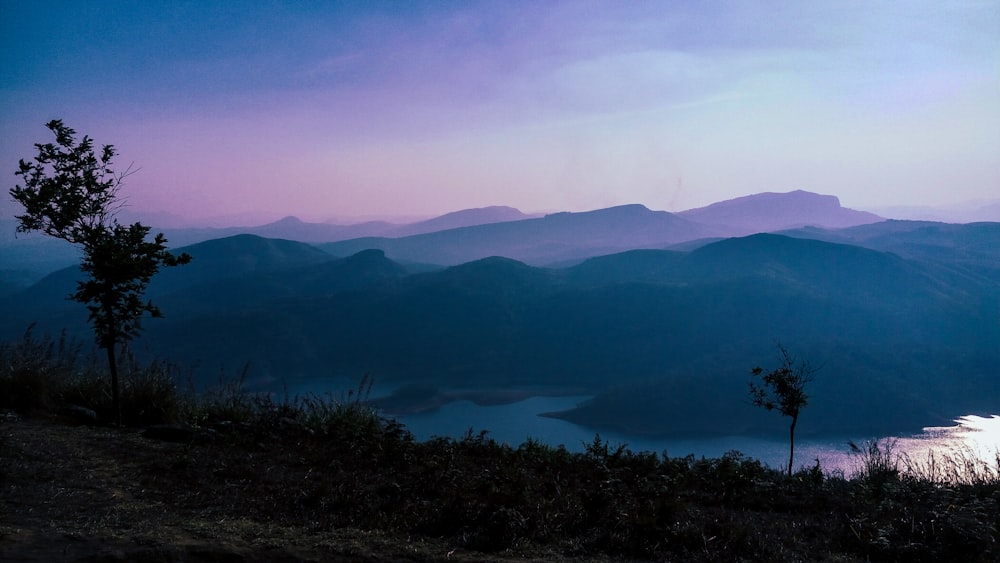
958	467
227	402
877	466
33	371
42	374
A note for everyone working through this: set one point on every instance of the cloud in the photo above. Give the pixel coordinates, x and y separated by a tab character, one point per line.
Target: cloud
535	104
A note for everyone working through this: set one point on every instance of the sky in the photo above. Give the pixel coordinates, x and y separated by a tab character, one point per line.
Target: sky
332	110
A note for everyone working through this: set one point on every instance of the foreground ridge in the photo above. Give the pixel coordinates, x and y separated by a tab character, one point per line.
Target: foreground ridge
354	486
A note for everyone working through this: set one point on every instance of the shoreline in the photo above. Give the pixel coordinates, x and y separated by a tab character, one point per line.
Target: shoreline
413	400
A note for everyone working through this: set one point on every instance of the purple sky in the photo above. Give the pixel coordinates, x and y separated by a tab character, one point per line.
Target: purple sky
337	109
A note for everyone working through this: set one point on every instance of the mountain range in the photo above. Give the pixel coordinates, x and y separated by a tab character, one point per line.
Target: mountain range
295	229
658	316
563	238
472	233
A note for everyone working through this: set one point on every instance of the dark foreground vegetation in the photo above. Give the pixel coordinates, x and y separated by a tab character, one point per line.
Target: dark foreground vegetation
228	475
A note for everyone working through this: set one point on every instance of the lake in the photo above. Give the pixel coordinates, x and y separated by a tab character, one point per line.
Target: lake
513	423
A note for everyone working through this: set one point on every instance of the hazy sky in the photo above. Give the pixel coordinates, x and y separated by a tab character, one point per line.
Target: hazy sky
326	109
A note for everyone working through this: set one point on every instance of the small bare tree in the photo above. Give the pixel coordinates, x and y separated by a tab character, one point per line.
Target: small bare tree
783	389
70	192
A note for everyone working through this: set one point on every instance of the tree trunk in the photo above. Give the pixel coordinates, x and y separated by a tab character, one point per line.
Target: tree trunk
110	340
116	404
791	444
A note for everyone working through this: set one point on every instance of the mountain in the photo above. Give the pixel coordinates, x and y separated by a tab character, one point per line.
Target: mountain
657	316
239	255
215	264
263	288
663	339
293	228
860	314
818	268
290	228
558	238
970	248
553	238
458	219
28	257
766	212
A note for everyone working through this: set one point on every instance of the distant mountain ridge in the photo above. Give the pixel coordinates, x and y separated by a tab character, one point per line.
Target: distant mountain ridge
769	211
462	218
293	228
568	237
558	237
763	212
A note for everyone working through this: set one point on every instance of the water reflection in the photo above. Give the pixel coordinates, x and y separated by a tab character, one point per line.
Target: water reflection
973	439
970	448
516	422
978	435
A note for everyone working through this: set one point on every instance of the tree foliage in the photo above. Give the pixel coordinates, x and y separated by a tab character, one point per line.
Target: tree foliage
71	193
783	389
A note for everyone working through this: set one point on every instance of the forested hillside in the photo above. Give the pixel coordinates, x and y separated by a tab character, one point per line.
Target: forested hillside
663	339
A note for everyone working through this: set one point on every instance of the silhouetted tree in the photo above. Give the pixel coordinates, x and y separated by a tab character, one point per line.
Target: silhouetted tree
71	193
783	389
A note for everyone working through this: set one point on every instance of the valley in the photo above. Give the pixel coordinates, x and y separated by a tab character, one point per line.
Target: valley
634	308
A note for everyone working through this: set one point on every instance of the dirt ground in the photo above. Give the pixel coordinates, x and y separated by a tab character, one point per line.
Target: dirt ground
82	493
